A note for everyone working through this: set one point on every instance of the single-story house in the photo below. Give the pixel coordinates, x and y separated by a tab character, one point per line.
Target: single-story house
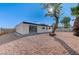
29	28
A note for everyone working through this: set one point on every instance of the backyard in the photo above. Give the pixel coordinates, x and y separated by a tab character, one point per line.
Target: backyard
41	44
57	23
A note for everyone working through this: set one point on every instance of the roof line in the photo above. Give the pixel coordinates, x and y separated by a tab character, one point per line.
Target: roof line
34	23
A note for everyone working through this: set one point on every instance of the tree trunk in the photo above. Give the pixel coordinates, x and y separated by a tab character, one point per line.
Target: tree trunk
55	26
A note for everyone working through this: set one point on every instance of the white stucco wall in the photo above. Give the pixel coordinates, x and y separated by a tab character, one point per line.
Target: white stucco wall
50	30
22	28
40	30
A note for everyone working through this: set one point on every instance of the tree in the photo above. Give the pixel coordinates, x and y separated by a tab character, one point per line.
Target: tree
65	22
53	10
75	12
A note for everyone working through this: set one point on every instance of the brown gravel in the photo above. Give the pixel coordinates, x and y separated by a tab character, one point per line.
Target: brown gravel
42	44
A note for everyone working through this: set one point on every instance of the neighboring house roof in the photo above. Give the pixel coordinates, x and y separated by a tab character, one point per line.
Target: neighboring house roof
34	24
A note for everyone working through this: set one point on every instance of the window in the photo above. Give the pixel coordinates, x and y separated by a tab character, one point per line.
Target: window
49	27
43	27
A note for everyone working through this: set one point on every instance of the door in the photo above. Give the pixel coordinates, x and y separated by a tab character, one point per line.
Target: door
32	29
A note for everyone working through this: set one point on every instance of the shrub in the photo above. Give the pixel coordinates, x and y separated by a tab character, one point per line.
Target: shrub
76	27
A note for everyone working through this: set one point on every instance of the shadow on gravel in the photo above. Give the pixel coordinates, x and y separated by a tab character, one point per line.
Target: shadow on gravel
14	36
69	49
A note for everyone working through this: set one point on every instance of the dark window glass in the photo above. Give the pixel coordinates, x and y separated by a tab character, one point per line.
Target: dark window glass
43	27
49	27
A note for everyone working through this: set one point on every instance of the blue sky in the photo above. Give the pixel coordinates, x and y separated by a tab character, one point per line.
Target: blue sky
13	13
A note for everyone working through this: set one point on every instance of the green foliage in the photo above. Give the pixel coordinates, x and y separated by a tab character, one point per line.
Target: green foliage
75	11
66	22
56	9
76	27
53	10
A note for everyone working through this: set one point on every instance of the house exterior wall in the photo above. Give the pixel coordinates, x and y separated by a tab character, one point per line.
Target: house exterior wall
41	30
22	28
50	30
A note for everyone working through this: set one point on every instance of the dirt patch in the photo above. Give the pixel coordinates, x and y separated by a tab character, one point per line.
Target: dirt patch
42	44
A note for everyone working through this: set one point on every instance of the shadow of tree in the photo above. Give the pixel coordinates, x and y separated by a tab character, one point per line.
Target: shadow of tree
69	49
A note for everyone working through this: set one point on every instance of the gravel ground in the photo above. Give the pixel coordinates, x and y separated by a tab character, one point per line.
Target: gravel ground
64	43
